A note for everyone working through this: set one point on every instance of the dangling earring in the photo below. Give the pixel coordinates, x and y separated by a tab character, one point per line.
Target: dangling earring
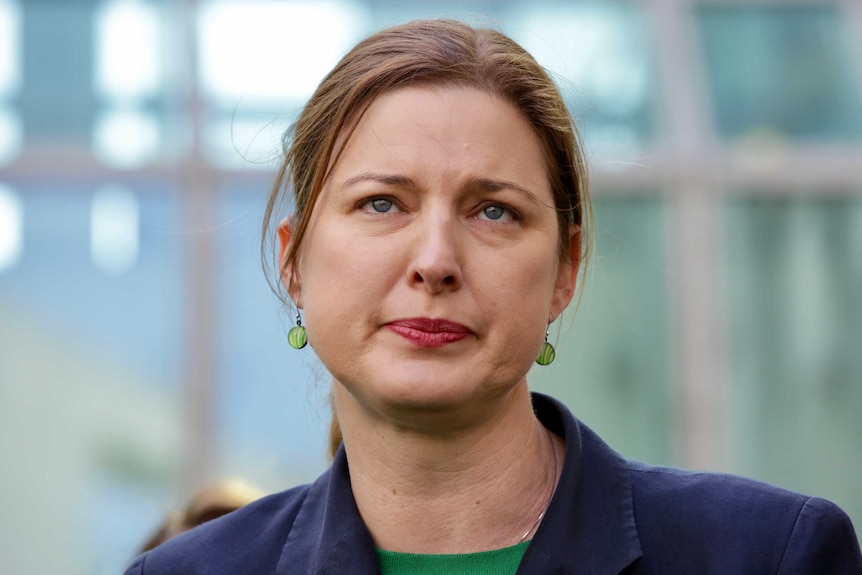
547	355
296	337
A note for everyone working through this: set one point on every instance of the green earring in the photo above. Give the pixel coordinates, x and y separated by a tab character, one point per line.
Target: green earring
547	355
296	337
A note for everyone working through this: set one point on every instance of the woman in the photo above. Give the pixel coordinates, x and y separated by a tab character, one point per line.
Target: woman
441	216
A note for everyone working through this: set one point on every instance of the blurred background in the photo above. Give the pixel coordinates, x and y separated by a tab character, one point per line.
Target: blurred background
142	354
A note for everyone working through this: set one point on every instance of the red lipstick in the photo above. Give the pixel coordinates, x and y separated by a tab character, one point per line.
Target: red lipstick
427	332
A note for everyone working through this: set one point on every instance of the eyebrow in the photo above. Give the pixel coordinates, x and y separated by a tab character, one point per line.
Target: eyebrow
388	179
489	185
484	184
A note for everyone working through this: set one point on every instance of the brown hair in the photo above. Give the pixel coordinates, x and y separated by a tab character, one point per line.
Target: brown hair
428	53
213	502
433	53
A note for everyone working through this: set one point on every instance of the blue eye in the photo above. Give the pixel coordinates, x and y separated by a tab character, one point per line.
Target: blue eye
493	212
379	206
496	213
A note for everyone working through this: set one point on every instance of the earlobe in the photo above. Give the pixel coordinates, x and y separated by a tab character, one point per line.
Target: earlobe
289	276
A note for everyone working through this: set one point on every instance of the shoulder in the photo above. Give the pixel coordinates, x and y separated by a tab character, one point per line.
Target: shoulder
248	540
727	520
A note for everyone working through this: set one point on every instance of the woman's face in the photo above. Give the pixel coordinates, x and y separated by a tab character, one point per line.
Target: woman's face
430	267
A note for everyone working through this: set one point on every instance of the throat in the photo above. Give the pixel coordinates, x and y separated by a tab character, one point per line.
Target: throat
491	497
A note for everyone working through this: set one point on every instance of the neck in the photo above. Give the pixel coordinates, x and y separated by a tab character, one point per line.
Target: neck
483	487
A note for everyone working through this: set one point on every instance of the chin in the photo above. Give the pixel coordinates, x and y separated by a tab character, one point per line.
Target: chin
425	394
410	387
436	395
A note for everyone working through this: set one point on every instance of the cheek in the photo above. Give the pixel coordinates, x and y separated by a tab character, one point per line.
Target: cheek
530	276
344	280
518	293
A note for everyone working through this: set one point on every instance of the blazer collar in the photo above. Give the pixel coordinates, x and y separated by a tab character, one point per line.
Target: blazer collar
328	536
589	527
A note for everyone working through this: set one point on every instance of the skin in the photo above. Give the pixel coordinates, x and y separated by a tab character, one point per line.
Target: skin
439	207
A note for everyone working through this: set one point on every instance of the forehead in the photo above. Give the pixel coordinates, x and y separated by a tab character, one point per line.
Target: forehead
443	129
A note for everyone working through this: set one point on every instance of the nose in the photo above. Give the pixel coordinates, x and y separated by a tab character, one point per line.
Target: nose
436	265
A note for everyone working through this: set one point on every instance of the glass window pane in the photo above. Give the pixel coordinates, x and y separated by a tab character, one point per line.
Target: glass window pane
602	58
10	135
291	45
10	22
269	51
272	400
126	137
246	141
91	367
10	78
127	50
612	353
795	274
56	99
598	51
780	72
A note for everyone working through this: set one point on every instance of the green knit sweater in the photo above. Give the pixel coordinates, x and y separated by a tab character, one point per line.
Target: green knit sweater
498	562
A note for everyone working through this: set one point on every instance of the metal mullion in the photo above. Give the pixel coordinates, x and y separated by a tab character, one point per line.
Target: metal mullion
198	184
852	15
793	170
79	165
762	2
789	170
695	238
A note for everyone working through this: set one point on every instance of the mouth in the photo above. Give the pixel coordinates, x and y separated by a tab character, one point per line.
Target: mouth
428	332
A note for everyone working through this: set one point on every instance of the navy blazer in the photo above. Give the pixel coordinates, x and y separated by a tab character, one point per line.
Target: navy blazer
608	516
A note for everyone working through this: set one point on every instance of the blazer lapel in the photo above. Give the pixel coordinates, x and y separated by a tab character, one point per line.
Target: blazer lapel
589	528
328	536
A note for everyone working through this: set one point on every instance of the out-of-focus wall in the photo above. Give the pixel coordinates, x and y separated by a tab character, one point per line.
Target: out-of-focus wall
142	353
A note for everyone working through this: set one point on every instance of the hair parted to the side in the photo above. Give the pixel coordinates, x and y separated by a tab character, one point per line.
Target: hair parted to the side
434	53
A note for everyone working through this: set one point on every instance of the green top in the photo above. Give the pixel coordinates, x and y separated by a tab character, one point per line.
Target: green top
497	562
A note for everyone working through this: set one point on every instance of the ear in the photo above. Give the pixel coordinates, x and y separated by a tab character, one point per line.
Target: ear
567	275
289	275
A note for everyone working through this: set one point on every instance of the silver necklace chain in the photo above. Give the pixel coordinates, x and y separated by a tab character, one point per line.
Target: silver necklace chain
550	495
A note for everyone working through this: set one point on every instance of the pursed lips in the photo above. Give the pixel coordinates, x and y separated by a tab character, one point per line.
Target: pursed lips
429	332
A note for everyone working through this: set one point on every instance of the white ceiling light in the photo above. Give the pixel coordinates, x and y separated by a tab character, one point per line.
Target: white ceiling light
263	50
11	228
114	230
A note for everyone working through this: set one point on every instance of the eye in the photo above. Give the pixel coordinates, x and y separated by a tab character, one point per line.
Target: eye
497	213
379	206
